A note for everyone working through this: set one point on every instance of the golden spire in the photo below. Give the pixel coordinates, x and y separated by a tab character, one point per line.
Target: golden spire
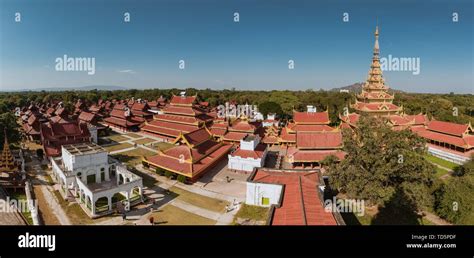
376	46
7	163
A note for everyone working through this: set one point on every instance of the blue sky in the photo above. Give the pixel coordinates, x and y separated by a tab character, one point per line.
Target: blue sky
251	54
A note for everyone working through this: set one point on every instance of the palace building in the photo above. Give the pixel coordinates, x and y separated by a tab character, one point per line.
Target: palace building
182	115
241	128
449	141
309	121
294	197
122	118
309	139
54	135
99	183
196	152
248	155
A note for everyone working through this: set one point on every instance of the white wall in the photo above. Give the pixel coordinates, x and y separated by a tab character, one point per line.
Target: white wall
256	192
458	159
245	164
72	162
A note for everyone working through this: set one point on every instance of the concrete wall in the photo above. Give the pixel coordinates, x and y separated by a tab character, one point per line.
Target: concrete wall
458	159
246	164
257	191
72	162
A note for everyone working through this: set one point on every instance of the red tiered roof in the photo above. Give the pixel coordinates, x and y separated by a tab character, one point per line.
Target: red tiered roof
311	117
242	126
380	106
300	204
178	119
194	156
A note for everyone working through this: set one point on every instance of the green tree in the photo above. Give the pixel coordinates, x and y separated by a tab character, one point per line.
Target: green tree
269	107
8	122
383	166
286	99
454	199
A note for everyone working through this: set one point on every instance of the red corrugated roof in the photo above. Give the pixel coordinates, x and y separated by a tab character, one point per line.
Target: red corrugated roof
447	127
197	137
301	204
446	138
297	155
177	119
86	116
311	117
319	140
186	100
254	154
309	128
234	136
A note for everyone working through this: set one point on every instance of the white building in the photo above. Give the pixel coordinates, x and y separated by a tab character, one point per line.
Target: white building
270	121
251	154
99	183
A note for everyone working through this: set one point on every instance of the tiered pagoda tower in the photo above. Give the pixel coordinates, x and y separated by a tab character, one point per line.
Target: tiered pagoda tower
7	162
374	98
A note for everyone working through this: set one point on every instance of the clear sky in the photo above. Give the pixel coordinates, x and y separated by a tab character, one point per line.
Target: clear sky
250	54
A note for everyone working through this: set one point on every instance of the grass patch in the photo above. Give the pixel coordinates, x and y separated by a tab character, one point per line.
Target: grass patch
252	212
75	213
171	215
200	200
21	197
425	221
440	172
162	146
117	138
133	135
133	157
144	141
441	162
117	147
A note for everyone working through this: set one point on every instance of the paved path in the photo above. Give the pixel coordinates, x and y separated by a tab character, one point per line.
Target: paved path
131	141
435	219
444	168
50	198
12	217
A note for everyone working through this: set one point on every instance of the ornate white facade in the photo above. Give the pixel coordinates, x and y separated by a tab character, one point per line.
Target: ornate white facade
98	182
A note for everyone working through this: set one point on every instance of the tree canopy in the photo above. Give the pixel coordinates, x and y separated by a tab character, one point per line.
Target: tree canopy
383	166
